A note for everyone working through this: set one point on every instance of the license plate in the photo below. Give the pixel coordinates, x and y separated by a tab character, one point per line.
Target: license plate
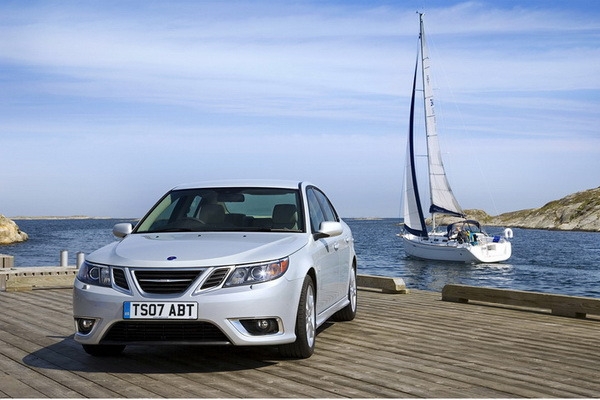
160	310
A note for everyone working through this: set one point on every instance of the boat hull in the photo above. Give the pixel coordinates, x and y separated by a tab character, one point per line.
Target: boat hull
433	248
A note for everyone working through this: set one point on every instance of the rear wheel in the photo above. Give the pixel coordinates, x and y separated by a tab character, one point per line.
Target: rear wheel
349	312
306	324
103	350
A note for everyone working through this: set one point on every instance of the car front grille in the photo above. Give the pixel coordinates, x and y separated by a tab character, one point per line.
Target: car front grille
215	279
119	278
166	281
167	331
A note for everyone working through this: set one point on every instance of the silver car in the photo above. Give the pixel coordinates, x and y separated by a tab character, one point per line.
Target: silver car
234	262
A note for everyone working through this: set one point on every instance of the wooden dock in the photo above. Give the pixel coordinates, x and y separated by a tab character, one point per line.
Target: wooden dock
400	345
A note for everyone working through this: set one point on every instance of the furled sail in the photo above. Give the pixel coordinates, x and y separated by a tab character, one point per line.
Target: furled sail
442	198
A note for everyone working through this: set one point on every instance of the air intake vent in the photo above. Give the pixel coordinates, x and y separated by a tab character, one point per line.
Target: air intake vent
171	331
216	278
166	281
119	278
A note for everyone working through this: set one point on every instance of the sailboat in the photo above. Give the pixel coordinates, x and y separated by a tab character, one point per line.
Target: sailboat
464	240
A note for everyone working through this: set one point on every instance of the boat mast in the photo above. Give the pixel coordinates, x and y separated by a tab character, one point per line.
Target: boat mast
427	106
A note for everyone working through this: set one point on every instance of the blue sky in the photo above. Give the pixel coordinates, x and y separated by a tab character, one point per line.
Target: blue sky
105	105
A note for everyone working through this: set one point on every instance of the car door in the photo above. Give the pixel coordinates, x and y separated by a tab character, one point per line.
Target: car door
341	244
325	254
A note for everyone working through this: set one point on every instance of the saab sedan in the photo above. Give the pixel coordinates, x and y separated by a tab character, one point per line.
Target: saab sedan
231	262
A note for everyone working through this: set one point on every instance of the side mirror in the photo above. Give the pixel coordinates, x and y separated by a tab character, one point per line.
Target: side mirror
121	230
328	229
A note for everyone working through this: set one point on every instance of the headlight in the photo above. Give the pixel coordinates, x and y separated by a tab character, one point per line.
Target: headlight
248	275
94	274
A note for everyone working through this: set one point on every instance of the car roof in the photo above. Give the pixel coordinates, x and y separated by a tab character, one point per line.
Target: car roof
270	183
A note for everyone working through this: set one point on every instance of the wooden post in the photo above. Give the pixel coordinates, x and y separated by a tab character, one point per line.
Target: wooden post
80	259
7	261
64	258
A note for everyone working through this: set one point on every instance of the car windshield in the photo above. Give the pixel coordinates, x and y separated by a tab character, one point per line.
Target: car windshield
225	209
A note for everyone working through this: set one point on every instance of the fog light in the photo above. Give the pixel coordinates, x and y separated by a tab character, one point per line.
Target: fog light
85	325
264	326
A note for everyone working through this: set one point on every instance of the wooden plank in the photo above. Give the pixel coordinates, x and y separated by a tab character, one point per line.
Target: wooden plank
13	387
453	346
399	345
568	306
29	278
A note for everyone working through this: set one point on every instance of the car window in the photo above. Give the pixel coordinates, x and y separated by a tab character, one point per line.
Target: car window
231	209
320	208
328	210
164	209
314	209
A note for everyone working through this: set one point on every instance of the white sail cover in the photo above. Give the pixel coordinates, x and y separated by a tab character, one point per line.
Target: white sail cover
442	198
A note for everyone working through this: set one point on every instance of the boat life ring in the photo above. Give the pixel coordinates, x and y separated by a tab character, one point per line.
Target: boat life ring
508	233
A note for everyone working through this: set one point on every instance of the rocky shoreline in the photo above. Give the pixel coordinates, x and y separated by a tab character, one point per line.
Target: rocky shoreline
10	232
576	212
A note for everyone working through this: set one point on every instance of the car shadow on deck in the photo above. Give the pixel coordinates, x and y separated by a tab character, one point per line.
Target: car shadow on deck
69	355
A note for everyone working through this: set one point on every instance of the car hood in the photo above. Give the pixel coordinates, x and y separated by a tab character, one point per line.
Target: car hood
198	249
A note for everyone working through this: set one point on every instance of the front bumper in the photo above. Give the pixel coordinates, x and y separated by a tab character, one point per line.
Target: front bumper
222	315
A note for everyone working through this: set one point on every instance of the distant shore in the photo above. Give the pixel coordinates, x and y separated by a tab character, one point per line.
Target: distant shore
576	212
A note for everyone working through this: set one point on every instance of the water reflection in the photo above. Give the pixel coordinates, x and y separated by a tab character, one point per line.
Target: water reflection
433	275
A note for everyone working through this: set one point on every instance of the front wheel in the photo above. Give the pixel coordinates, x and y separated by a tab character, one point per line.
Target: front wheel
349	312
306	324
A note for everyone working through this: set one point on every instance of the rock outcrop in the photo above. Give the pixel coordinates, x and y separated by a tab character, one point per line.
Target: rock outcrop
10	232
576	212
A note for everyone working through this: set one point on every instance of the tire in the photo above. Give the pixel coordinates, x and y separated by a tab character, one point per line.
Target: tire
103	350
306	324
349	312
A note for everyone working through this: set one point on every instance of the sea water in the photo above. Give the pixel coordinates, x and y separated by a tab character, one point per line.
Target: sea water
544	261
560	262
